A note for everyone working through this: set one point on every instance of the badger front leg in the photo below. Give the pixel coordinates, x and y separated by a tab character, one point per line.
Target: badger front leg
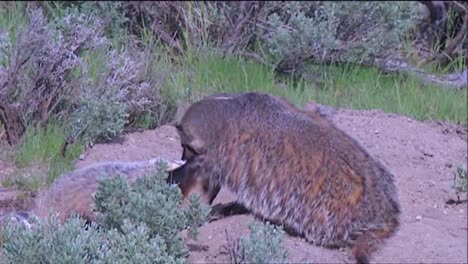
221	211
190	180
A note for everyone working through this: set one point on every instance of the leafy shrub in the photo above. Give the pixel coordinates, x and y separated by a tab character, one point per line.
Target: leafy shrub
338	31
263	245
136	223
151	202
49	242
67	67
37	65
321	30
135	244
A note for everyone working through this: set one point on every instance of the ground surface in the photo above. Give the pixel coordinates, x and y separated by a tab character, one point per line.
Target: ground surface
423	157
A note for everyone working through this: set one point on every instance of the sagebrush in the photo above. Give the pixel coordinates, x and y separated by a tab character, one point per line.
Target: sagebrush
263	245
138	223
67	67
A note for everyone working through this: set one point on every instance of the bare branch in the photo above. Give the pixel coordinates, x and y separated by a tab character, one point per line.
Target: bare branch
461	33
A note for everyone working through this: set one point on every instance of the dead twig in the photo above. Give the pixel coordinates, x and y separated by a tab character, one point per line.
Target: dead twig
235	250
451	48
237	35
166	38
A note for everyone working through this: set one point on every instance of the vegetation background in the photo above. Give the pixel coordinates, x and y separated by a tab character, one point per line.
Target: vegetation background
76	73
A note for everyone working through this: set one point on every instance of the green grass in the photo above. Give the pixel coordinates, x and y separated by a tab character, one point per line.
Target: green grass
12	16
343	86
41	149
364	88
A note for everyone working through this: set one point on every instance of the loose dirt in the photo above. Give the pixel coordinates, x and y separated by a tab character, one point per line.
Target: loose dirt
422	155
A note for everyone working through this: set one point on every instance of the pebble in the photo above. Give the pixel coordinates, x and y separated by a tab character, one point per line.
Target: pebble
419	218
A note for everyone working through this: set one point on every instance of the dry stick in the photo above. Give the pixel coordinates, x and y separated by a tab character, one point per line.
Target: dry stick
233	248
458	38
13	126
166	38
433	6
237	34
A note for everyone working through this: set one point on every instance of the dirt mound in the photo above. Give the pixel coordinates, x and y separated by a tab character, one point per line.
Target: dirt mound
136	146
423	157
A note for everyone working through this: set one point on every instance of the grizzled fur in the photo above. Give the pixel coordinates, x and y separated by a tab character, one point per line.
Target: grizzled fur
292	167
73	192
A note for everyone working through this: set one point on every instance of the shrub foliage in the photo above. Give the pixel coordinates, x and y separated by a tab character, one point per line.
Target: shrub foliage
138	223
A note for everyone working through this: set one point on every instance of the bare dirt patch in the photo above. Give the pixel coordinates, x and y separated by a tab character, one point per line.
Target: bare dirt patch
422	155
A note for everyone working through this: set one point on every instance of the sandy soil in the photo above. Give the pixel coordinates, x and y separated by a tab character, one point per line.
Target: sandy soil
423	157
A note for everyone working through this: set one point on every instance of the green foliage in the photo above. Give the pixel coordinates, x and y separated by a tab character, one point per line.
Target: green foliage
99	120
44	145
134	243
95	85
339	31
355	87
263	245
39	154
196	215
50	242
136	223
150	201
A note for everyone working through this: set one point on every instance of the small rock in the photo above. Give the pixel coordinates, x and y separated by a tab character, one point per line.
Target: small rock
431	183
82	156
376	131
418	218
312	107
427	154
327	111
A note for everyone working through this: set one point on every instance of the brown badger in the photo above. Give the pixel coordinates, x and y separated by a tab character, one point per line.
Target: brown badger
73	191
290	167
